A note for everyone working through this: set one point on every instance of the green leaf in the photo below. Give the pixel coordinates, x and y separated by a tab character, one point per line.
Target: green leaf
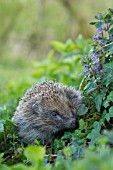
97	125
110	10
111	32
109	48
9	123
90	87
1	156
69	46
109	98
108	77
107	116
82	124
92	23
2	112
99	16
109	135
70	54
111	111
23	167
82	110
99	24
1	126
67	151
94	136
59	46
98	101
107	16
106	103
4	167
35	154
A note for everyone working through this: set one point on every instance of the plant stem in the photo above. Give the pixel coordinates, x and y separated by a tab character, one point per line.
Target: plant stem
97	83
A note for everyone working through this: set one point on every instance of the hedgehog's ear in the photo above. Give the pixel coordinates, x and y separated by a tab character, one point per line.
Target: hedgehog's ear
70	93
73	96
36	107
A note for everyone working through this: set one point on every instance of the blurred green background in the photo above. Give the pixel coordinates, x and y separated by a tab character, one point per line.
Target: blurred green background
28	26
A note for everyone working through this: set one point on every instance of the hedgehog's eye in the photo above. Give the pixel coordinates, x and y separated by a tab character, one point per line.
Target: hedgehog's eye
54	114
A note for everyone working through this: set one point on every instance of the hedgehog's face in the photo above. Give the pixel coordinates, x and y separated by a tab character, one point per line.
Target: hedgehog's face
56	112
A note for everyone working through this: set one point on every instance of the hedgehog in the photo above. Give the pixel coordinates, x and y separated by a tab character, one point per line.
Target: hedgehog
45	110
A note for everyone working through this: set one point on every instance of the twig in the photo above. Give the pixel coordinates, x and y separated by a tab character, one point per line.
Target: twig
103	46
6	158
4	137
51	155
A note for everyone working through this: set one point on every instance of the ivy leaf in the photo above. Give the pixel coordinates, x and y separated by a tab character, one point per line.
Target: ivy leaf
98	101
111	111
82	110
109	135
108	77
111	50
109	114
90	87
109	98
97	125
94	136
106	103
111	32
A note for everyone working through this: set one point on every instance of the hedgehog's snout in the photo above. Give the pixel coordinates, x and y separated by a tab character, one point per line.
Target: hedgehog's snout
70	124
73	123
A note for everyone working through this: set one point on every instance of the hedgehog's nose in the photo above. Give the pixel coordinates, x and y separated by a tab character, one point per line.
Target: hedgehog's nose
73	123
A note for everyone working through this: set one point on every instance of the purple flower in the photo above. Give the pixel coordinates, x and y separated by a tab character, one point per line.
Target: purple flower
86	69
101	71
76	156
95	38
101	42
94	57
96	66
99	30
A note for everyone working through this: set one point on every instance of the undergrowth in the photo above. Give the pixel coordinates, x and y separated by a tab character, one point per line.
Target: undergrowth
89	146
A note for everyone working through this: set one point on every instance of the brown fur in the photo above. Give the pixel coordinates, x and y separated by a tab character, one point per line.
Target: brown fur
46	109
